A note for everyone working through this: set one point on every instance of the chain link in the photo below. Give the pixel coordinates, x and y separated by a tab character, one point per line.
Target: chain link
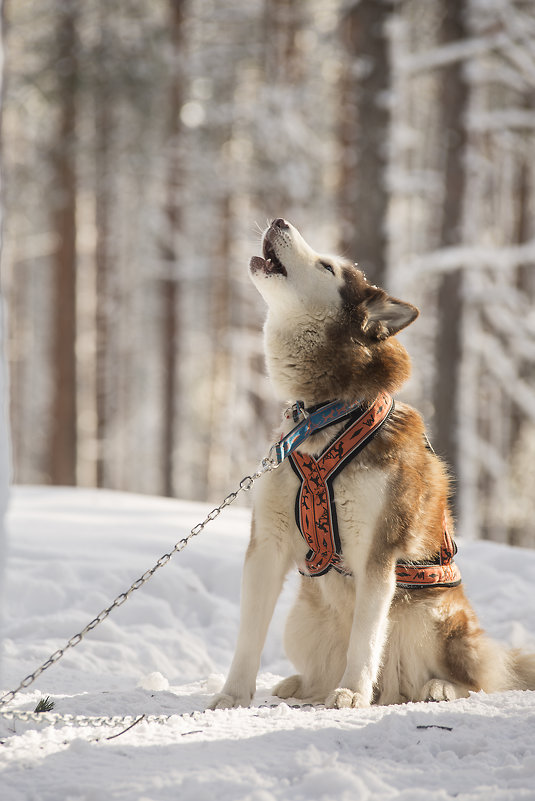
268	464
82	721
110	721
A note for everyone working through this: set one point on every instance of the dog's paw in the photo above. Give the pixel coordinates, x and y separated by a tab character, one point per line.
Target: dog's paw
225	701
440	690
292	687
342	698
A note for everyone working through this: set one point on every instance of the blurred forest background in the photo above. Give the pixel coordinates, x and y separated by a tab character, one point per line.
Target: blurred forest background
145	144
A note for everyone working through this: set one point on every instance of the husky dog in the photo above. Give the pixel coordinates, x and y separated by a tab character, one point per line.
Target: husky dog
365	631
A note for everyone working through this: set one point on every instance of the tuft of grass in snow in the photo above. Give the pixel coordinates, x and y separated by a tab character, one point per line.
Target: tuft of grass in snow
45	705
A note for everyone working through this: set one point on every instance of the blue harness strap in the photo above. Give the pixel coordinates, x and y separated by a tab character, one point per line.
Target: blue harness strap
321	417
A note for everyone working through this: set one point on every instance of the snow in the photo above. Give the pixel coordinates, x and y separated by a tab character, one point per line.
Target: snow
166	650
501	259
461	50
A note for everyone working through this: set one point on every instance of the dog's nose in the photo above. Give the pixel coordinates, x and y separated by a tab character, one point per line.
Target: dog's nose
280	223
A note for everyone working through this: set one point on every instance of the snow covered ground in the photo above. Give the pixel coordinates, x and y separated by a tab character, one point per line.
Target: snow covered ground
71	552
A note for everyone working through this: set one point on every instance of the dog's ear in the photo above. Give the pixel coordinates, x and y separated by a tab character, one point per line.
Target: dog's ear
385	316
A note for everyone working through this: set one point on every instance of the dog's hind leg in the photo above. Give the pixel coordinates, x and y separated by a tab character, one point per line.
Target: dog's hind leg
316	642
291	687
441	690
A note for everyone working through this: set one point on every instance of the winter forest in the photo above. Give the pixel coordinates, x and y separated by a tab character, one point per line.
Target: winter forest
146	143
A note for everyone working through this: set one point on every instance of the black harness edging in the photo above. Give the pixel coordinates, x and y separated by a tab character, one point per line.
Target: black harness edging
315	507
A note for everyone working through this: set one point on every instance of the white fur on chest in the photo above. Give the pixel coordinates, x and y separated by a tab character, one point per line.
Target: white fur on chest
360	496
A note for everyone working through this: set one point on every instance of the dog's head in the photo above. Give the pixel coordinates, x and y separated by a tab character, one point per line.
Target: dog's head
346	321
294	279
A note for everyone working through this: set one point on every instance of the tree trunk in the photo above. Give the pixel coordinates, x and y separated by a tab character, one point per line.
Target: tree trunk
520	530
282	60
62	441
170	295
364	136
4	403
282	73
454	101
107	369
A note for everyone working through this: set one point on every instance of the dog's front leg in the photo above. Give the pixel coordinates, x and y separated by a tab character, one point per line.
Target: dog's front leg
266	564
374	591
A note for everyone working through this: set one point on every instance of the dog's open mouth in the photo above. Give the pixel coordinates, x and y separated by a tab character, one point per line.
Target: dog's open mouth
270	264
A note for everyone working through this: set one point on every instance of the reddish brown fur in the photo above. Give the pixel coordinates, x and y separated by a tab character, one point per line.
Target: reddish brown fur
460	632
362	362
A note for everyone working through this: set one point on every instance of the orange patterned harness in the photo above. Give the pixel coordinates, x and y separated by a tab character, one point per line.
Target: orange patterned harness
315	507
441	572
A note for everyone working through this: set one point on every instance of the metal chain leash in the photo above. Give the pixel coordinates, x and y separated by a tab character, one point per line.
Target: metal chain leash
111	721
267	464
84	721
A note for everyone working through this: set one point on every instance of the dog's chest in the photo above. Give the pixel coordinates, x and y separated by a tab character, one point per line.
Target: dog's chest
357	502
359	499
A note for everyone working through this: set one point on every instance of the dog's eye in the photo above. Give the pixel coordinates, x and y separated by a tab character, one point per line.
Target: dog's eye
327	266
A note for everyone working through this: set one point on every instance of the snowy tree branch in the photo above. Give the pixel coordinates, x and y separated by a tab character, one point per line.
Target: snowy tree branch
445	260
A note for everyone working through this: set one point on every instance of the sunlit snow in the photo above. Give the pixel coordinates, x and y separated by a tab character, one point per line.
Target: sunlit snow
72	551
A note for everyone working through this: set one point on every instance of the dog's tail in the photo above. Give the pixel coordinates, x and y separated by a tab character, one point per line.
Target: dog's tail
522	670
501	668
